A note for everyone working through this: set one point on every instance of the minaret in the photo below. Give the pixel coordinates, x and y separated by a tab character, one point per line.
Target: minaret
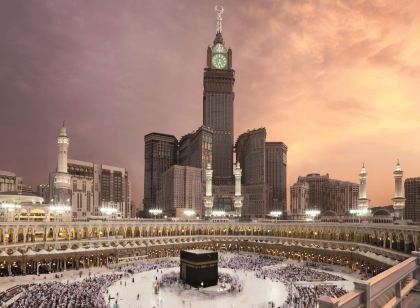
399	200
237	172
63	142
208	198
62	188
363	203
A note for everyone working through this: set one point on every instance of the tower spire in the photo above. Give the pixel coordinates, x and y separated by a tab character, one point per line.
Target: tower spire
219	12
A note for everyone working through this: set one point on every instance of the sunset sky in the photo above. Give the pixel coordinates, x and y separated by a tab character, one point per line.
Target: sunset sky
337	81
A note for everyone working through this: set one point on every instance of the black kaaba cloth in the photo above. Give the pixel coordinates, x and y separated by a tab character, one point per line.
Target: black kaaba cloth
199	266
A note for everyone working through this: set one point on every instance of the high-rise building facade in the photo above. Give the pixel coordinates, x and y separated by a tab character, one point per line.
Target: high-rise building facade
276	175
160	153
43	190
85	189
181	189
338	197
316	182
412	199
195	149
331	197
10	182
299	198
263	172
250	153
97	186
218	97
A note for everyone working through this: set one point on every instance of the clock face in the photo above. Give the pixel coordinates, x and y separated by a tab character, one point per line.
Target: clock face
219	61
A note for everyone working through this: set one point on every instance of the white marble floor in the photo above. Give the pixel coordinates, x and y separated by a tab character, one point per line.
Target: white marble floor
256	293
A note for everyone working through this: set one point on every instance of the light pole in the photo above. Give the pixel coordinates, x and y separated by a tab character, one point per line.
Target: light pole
311	214
155	212
189	213
218	213
276	214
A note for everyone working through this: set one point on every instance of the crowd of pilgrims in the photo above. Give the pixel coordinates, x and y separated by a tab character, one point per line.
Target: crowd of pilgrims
306	296
91	291
292	273
54	294
299	296
172	279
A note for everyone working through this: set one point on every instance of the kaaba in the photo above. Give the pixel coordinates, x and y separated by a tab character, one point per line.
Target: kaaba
199	268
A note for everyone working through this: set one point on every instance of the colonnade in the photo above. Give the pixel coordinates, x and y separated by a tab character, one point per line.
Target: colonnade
400	238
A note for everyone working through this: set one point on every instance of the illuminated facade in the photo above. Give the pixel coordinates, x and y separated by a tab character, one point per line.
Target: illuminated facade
97	186
331	197
180	189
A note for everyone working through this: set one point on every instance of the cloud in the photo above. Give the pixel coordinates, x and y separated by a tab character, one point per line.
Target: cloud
336	80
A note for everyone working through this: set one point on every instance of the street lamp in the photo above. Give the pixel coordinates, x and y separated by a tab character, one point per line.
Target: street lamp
360	212
276	214
189	213
218	213
311	214
59	209
108	210
155	212
10	209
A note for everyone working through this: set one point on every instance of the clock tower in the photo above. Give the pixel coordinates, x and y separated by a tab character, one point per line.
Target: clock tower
218	97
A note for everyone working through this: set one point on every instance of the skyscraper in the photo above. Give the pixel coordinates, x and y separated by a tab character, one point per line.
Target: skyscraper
160	153
180	190
263	180
195	149
250	153
299	198
264	172
331	197
412	199
275	174
218	96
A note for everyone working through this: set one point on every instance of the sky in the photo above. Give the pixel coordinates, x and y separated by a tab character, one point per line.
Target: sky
337	81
